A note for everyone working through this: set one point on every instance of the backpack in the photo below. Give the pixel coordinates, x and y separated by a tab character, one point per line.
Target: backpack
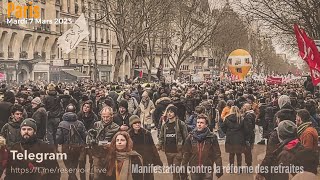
74	140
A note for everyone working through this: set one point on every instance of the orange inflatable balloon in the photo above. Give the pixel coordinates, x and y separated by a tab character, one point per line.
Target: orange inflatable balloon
239	63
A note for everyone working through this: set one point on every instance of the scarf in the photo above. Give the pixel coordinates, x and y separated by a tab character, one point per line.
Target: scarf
201	135
125	173
303	127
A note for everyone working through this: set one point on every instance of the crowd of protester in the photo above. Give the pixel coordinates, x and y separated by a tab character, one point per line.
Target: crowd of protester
110	125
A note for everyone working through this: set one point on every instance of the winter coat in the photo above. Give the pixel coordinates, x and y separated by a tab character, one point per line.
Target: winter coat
89	120
41	117
205	153
28	108
146	113
144	145
114	95
269	120
161	105
132	104
249	120
235	134
262	114
36	146
190	104
11	132
118	119
182	109
52	105
180	131
273	144
292	113
104	133
309	138
67	99
5	112
62	134
191	122
285	155
4	155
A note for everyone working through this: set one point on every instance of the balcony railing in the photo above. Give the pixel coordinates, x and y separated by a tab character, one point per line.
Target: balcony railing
23	54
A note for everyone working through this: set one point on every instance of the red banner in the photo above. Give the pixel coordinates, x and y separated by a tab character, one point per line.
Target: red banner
273	80
309	52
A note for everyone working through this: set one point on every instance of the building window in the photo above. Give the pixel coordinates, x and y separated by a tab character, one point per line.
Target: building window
58	26
89	6
68	6
76	7
43	14
107	57
102	56
102	35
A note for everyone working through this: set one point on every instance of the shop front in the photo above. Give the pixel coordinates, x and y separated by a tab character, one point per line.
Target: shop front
41	72
105	72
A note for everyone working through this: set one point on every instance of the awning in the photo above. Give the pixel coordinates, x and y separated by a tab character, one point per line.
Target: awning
75	73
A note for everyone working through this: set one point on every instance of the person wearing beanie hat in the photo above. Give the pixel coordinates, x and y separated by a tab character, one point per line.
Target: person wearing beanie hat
172	137
132	106
40	115
31	145
29	122
134	119
143	143
287	130
122	117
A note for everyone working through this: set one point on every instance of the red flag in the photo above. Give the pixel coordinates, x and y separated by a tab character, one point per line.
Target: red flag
301	42
141	74
310	55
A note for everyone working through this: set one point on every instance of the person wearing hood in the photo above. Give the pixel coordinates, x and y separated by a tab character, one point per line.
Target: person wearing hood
285	103
146	108
233	127
122	117
11	130
31	145
201	148
55	111
160	106
88	118
5	107
72	149
86	115
40	116
144	145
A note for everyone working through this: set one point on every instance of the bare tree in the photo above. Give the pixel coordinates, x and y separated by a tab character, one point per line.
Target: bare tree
232	35
279	16
192	27
127	19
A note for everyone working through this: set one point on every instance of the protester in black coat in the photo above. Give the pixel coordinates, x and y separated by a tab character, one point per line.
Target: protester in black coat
144	145
5	107
233	126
